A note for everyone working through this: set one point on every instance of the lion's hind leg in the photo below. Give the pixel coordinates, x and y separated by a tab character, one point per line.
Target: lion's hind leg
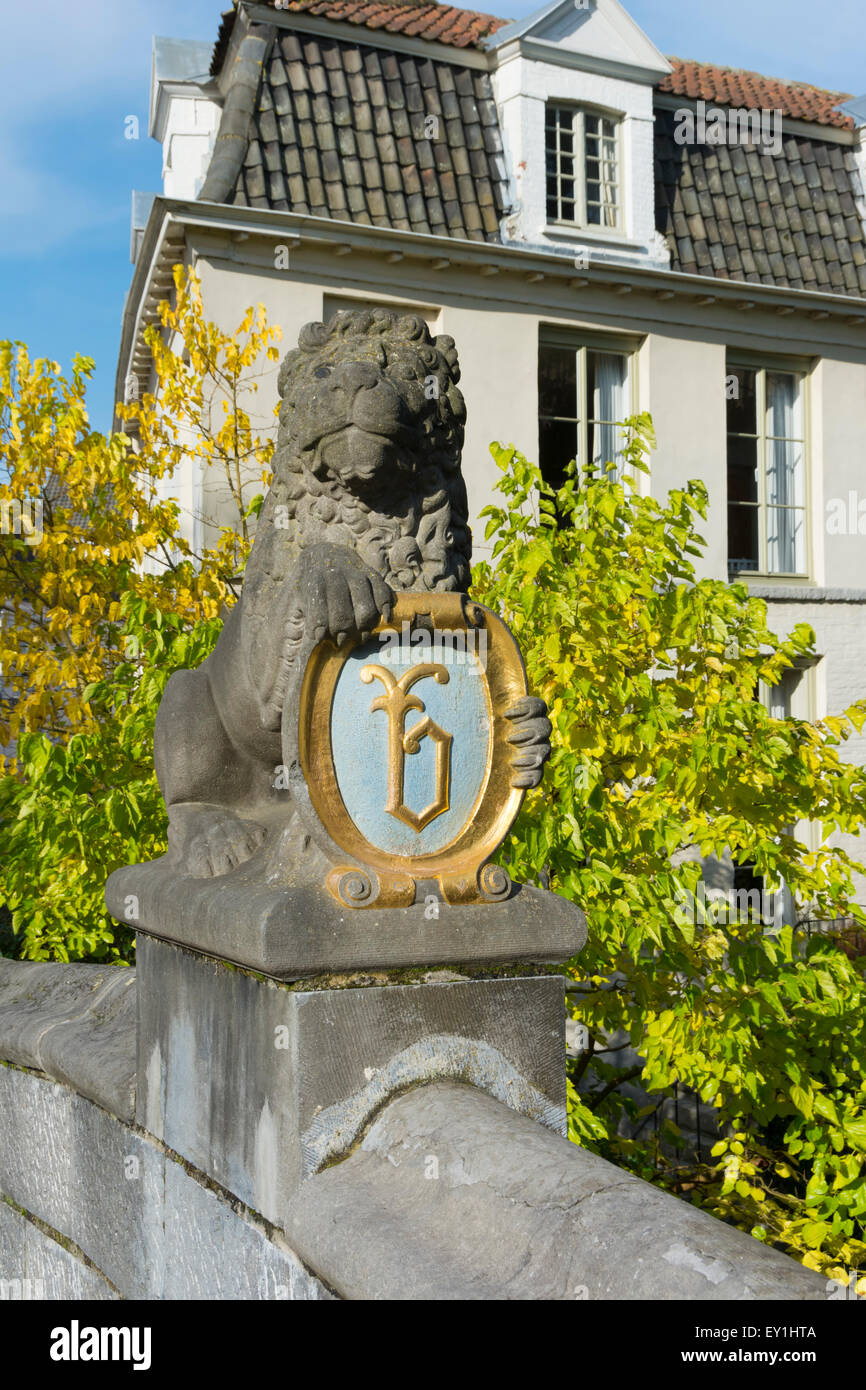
204	780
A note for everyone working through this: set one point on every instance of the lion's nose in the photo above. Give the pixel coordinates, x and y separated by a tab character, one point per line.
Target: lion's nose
355	376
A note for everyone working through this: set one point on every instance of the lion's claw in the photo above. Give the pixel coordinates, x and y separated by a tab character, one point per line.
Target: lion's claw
224	844
339	594
531	738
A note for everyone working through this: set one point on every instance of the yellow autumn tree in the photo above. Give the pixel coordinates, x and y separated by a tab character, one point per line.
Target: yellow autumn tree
86	518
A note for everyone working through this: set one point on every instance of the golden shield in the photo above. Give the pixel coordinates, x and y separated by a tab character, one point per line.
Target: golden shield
403	746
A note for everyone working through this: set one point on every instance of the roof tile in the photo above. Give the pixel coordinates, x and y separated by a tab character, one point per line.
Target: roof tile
355	115
778	214
735	87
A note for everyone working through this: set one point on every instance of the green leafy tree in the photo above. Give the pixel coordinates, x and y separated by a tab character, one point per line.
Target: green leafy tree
664	754
103	599
79	807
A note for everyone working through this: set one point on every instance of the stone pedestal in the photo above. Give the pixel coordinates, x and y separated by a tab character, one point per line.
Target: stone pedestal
261	1084
292	933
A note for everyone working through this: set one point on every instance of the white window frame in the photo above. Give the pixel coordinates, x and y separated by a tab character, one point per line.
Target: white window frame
579	157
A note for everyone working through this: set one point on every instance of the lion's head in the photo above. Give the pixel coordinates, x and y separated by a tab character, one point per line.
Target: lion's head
368	453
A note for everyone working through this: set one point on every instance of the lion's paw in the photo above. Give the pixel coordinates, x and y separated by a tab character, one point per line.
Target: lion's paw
530	737
339	595
222	845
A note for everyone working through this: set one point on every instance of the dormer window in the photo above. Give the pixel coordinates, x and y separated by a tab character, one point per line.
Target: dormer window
582	154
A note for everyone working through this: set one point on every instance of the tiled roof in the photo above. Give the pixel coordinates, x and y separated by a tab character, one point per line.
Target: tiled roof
349	129
732	87
353	132
733	212
443	23
459	28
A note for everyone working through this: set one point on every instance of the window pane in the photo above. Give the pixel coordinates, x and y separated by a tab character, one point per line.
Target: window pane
780	697
742	408
557	382
742	469
783	406
557	447
606	380
560	162
779	454
601	176
784	473
785	540
606	374
742	538
582	145
785	481
606	445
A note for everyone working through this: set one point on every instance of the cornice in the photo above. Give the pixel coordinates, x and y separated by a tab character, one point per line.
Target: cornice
170	221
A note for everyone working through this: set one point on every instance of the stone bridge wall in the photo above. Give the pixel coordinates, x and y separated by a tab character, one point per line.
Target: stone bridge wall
443	1191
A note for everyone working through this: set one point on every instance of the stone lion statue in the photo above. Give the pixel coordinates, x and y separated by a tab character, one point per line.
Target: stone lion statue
367	500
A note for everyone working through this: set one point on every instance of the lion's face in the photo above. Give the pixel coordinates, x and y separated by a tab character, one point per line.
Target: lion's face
362	411
368	455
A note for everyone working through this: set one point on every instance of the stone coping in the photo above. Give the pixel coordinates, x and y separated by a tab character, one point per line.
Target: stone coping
75	1023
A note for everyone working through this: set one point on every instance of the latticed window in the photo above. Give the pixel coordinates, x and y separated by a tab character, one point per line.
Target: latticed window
582	161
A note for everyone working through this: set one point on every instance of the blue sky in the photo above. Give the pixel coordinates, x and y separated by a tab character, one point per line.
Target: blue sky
70	75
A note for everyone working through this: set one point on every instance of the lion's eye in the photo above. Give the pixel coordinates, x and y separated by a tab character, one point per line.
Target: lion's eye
322	371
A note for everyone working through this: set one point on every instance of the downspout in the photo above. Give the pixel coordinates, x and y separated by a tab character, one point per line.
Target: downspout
232	138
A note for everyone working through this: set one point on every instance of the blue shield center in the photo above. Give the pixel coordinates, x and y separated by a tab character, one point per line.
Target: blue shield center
363	742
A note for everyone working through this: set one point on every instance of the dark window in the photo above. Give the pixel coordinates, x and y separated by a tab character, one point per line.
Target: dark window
583	396
766	465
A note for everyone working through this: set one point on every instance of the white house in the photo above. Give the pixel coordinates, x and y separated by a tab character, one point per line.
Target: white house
600	228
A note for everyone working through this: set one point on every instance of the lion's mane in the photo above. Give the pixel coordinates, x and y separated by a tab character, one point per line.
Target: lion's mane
414	531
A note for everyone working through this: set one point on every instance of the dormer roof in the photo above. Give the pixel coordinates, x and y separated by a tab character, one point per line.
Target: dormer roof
599	36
